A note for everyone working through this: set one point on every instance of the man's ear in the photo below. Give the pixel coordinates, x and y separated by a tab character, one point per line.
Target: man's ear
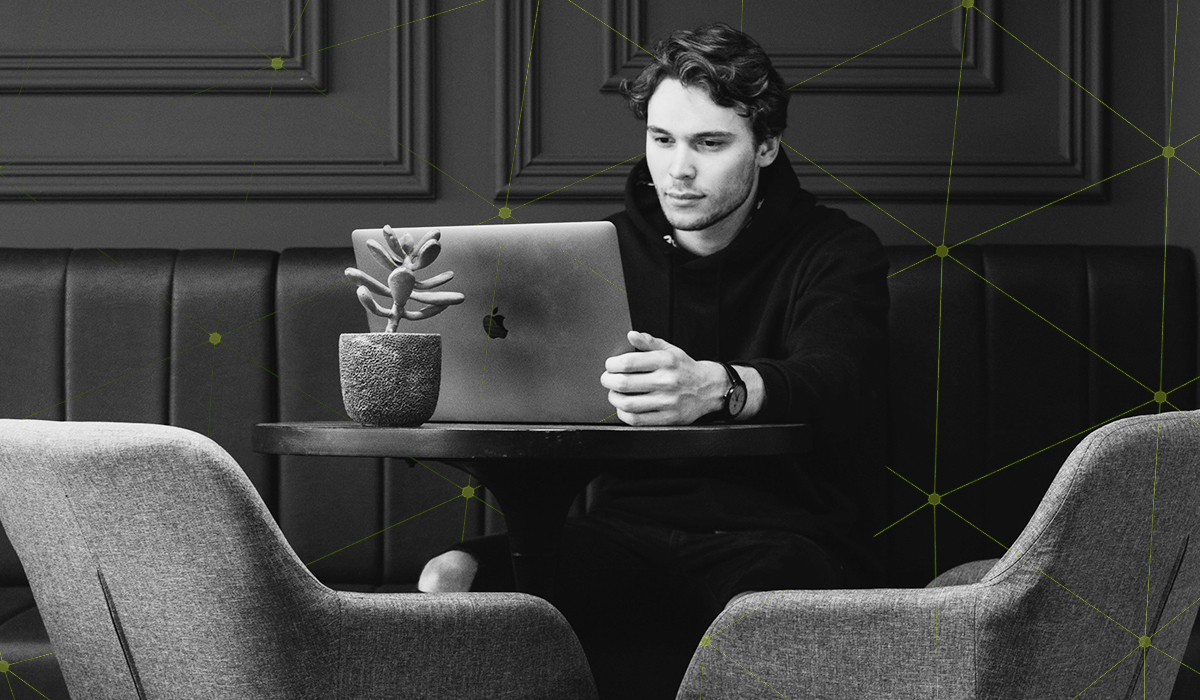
767	151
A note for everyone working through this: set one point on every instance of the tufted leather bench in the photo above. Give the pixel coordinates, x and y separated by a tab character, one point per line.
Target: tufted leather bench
1038	345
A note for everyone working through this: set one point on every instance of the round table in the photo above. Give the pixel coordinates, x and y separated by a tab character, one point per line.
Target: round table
534	470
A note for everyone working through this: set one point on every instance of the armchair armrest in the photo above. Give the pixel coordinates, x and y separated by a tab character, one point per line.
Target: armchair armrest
456	645
864	644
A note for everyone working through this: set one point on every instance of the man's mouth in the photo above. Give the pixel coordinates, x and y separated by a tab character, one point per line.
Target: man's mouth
683	196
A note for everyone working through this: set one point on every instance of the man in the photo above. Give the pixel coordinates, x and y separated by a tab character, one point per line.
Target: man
750	303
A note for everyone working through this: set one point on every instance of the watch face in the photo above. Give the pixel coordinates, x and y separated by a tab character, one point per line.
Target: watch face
737	400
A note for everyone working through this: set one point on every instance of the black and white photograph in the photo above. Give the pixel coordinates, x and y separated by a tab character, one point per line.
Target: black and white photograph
599	349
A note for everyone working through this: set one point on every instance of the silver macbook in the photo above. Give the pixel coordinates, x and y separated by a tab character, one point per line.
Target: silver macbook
545	307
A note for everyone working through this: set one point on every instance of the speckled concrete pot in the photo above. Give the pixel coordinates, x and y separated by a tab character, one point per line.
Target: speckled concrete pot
390	379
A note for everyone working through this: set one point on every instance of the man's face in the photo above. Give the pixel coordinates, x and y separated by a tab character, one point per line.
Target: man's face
701	156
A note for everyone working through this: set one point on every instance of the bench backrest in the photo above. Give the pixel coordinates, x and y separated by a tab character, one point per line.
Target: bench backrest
1037	345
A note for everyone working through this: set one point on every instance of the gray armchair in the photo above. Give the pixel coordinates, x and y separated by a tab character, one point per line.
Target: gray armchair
160	574
1094	599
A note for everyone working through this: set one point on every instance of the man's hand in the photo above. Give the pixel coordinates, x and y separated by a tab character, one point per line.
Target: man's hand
661	385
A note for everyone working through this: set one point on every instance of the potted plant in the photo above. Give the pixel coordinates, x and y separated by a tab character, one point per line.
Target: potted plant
393	378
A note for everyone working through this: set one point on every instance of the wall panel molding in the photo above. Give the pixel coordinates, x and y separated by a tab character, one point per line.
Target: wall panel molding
934	70
1075	166
110	63
386	166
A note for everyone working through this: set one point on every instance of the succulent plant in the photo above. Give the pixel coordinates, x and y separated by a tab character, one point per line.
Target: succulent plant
406	256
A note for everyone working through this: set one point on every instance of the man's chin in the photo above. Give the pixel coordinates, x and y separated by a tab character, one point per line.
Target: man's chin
689	223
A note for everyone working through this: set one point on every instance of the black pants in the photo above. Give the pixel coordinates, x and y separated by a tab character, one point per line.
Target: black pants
640	596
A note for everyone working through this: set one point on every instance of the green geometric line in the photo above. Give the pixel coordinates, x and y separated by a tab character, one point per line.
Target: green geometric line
364	121
937	392
877	534
437	473
1043	573
296	303
1173	619
1153	496
1188	141
1174	659
1174	48
32	658
389	527
751	673
1051	324
589	14
560	189
1184	164
1162	334
338	413
588	267
127	374
466	504
1083	189
873	48
382	31
1035	53
923	492
247	41
299	18
1102	675
1047	447
962	54
911	266
521	112
11	673
247	74
835	177
2	175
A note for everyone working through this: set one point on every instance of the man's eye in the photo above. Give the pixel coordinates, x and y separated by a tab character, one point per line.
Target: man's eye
711	144
662	139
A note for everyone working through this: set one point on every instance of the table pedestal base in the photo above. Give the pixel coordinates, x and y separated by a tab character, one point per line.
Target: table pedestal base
535	496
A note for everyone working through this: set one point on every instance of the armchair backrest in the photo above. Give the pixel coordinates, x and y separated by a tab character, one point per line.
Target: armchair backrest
156	566
1105	566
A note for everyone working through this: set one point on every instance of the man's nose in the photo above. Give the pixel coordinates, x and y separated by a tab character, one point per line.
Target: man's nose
682	167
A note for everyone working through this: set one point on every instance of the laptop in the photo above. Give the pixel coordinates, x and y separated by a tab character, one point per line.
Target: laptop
545	307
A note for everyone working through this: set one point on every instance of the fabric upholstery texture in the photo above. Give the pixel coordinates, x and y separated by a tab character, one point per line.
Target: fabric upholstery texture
161	573
1105	561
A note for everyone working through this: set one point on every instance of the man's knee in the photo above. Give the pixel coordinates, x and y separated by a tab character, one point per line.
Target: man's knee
450	572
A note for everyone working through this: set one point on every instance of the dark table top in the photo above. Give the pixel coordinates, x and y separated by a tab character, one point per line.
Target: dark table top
531	440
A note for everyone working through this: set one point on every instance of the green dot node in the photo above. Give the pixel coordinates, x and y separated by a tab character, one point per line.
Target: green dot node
968	3
468	491
214	338
705	641
1143	642
277	63
943	251
1168	151
934	499
505	212
3	667
1160	396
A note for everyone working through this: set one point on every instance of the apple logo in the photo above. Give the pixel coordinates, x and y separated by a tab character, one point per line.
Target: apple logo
493	324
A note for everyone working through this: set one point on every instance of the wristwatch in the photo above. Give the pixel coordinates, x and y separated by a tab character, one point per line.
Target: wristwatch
735	398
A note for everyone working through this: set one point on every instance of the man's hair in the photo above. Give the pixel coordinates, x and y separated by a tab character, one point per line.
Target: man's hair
727	64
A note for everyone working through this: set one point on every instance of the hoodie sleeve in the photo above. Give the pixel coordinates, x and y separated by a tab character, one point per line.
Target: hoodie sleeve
835	335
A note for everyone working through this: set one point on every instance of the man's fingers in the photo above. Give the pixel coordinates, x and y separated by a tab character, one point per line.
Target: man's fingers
638	361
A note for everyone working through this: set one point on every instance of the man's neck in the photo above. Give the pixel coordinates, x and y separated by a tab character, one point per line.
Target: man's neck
717	237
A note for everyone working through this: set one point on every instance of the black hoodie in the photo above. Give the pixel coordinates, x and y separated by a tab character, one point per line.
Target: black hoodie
801	296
